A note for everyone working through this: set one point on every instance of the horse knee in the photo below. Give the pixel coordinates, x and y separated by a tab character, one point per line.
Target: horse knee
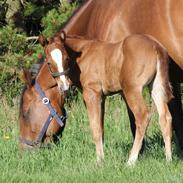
166	124
168	117
96	134
142	121
143	116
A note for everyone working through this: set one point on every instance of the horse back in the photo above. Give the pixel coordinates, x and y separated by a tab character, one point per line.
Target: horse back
115	20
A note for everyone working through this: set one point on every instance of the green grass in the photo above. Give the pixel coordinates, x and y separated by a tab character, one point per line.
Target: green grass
74	159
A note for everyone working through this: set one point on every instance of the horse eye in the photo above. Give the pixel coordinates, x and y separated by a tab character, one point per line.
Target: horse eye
26	115
51	67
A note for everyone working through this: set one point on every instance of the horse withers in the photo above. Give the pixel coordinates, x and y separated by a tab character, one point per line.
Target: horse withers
125	67
42	115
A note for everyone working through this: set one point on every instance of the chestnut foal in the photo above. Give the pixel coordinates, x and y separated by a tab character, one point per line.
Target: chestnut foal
105	68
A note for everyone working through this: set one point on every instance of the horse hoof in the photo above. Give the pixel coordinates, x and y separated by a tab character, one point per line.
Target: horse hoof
169	159
100	162
131	163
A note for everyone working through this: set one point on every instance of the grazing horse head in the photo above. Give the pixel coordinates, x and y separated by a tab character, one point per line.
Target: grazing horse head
42	115
57	60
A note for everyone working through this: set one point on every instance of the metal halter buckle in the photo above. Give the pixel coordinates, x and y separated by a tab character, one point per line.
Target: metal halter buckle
45	100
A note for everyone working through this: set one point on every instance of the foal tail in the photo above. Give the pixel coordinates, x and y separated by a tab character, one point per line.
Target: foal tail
162	94
161	85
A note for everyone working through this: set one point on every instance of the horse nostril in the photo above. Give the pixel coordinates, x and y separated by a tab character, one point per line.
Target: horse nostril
63	90
24	147
64	87
65	93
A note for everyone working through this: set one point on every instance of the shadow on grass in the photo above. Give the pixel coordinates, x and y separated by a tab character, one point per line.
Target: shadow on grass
153	145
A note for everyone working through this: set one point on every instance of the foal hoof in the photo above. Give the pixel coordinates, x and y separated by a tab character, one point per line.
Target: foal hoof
169	159
131	163
132	160
100	162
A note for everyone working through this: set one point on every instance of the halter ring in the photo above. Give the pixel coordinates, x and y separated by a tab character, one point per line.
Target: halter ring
45	100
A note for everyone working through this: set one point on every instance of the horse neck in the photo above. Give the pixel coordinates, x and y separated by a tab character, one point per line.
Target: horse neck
82	13
94	19
44	78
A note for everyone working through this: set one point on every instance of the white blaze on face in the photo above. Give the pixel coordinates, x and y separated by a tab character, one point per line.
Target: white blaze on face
56	55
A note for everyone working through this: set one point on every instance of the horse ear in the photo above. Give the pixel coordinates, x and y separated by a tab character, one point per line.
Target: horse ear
42	40
27	78
63	36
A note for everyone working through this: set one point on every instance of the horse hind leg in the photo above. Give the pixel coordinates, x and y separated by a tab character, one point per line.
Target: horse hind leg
160	95
137	105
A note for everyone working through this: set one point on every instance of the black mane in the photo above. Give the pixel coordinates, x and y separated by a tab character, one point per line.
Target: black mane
34	70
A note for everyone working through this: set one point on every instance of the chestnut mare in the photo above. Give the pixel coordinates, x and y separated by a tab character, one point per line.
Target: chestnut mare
106	68
42	115
114	20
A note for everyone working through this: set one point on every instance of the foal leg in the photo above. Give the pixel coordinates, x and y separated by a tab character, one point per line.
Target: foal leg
165	121
95	109
133	126
138	107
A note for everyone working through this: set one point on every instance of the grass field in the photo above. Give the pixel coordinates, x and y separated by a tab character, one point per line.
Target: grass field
74	159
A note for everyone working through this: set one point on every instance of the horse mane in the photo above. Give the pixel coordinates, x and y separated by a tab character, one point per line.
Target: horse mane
94	19
34	70
76	14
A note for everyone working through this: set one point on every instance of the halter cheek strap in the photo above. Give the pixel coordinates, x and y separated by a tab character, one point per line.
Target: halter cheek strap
46	102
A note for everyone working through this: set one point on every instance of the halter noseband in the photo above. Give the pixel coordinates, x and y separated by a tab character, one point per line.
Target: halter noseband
53	114
57	74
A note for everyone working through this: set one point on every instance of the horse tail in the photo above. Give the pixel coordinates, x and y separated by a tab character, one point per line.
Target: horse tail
161	86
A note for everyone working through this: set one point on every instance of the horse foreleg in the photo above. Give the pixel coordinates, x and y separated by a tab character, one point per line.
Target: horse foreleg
95	109
175	107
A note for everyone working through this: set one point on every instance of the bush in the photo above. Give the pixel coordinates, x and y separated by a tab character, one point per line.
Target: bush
17	52
15	55
56	18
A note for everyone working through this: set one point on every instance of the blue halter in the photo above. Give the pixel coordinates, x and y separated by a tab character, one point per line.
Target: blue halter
53	114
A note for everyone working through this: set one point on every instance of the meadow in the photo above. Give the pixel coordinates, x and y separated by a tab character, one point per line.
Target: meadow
74	160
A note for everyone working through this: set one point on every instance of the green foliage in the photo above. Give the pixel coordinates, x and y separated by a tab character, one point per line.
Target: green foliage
56	17
17	52
11	40
34	12
15	55
31	8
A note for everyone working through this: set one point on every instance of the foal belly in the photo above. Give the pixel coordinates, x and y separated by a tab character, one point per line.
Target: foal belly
111	86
